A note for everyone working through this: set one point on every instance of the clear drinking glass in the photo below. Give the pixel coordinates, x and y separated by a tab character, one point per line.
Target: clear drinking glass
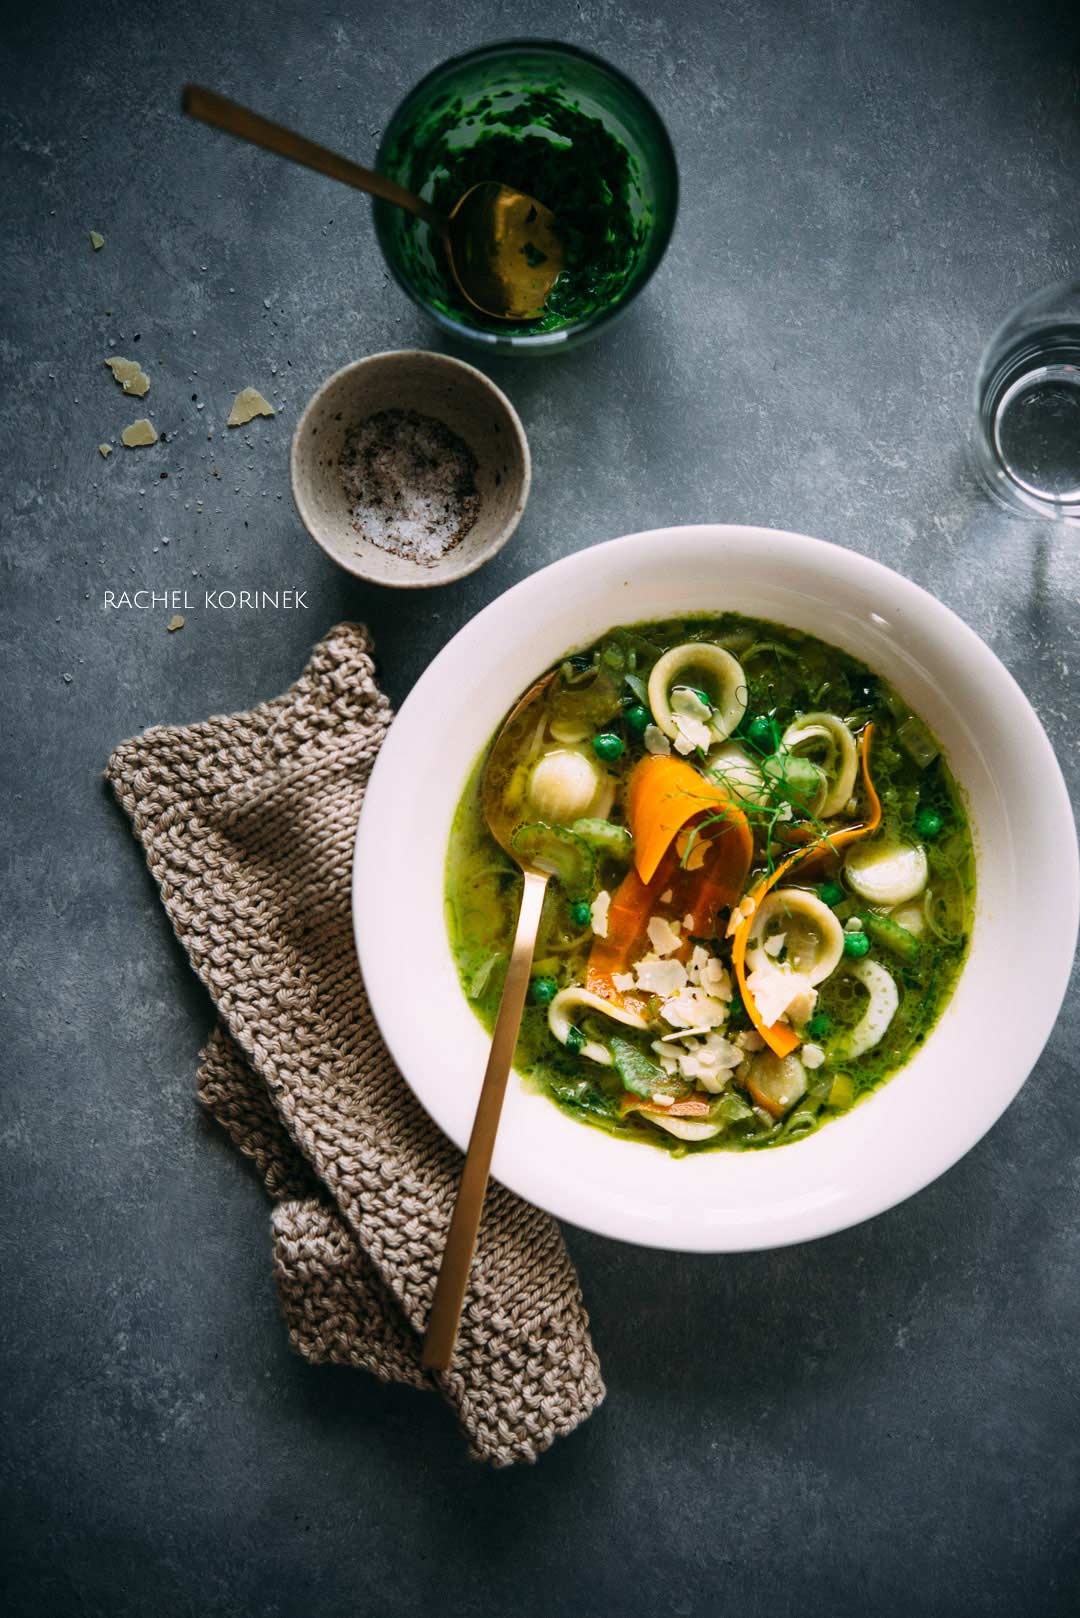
1027	402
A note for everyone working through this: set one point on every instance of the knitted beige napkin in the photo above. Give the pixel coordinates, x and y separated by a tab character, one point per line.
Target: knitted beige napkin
248	824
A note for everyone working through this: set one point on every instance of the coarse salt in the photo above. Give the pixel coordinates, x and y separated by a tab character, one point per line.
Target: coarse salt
410	483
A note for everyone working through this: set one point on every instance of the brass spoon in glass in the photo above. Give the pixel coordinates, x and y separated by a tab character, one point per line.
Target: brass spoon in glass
442	1326
503	246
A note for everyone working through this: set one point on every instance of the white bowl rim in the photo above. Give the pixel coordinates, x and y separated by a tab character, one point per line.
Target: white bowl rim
455	569
547	1178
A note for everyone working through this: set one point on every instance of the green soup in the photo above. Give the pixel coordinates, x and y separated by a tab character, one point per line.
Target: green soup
805	922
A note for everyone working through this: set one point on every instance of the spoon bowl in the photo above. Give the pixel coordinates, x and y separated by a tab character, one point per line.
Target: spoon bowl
504	251
507	748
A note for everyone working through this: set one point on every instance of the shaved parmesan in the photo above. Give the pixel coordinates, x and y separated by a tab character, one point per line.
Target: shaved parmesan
662	936
742	911
691	734
710	1061
774	989
801	1008
716	979
691	1008
661	977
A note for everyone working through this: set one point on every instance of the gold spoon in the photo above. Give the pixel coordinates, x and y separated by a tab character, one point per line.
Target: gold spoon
503	246
442	1326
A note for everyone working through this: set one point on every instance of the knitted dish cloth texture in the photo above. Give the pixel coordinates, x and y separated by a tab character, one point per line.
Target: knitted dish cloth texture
248	823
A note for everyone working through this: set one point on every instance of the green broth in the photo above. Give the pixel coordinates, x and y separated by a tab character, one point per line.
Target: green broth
787	674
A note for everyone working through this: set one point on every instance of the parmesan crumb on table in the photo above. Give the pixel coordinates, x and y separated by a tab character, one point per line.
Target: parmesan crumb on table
139	434
130	375
248	404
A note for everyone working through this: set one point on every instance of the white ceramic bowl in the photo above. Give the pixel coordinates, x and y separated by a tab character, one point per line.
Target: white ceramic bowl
920	1122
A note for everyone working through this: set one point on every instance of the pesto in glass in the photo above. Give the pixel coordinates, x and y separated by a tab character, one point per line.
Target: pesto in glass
559	125
538	143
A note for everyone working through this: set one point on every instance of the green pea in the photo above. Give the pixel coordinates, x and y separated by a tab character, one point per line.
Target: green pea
819	1025
702	696
581	913
928	824
761	733
543	991
830	893
638	719
856	945
608	746
575	1040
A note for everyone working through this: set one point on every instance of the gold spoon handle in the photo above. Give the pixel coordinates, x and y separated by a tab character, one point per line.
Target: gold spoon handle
247	125
442	1326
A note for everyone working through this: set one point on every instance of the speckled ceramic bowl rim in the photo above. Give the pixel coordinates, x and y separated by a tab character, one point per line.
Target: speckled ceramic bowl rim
450	570
908	1131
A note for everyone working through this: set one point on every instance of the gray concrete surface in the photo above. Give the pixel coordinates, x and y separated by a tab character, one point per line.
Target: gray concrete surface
883	1423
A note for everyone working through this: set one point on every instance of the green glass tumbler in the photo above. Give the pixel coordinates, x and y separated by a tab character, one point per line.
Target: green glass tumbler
493	91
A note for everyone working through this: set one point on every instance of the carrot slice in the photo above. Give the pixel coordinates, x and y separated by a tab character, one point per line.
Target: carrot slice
632	904
779	1037
662	795
728	846
721	879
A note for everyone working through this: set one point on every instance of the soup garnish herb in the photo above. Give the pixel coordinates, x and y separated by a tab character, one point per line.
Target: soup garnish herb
764	884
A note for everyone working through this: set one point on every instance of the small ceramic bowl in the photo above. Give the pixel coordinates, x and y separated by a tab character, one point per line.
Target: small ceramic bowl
456	394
